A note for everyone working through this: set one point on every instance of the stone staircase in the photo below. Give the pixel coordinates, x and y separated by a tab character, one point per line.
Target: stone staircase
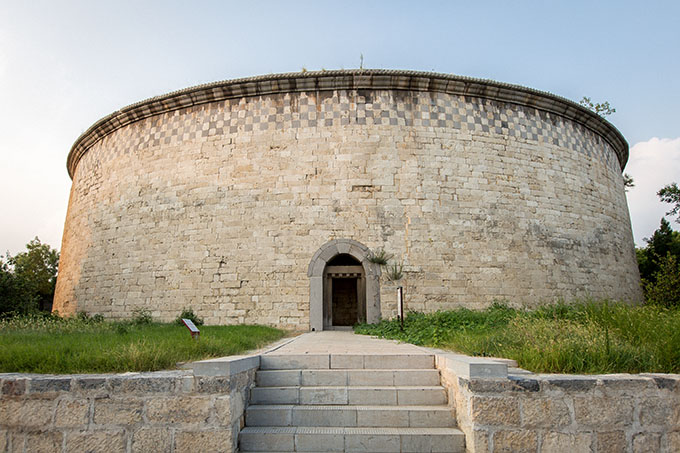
349	402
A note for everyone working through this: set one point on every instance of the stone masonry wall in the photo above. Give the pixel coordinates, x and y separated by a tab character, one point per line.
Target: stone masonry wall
568	413
132	412
221	206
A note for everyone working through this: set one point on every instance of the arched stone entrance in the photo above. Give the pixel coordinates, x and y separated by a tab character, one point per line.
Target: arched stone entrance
344	287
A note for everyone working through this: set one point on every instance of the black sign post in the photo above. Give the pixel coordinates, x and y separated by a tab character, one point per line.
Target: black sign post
400	305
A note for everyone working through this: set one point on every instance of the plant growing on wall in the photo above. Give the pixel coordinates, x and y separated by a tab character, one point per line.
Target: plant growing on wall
395	272
380	257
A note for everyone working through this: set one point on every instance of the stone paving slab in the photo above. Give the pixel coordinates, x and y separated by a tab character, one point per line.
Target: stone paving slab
345	342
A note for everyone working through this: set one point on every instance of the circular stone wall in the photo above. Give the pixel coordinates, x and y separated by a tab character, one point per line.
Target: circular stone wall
224	197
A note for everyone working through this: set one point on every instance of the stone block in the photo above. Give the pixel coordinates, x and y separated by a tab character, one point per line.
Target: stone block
110	441
670	443
611	442
151	439
223	413
50	385
515	442
374	396
374	443
275	395
425	396
294	361
14	387
416	377
267	439
26	413
117	412
656	411
646	443
323	395
279	378
271	415
495	411
203	441
324	377
180	409
47	441
72	414
544	413
345	361
603	412
432	417
225	366
431	442
399	361
555	442
390	417
325	416
370	377
308	440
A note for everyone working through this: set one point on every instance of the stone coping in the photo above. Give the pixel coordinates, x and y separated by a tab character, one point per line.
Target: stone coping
375	79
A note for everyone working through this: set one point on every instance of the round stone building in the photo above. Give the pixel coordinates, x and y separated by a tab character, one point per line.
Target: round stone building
262	200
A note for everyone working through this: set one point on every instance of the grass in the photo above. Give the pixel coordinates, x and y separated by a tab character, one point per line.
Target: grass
583	338
47	344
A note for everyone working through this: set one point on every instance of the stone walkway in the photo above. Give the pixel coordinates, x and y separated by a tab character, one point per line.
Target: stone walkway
344	342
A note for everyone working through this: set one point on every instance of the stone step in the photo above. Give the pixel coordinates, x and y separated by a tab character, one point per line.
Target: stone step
350	416
373	395
346	361
318	439
361	377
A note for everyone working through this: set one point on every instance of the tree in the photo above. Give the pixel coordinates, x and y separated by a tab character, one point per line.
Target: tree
28	279
665	290
628	182
602	109
671	194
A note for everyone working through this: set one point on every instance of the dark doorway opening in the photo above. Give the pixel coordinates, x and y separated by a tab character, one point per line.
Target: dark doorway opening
344	292
345	301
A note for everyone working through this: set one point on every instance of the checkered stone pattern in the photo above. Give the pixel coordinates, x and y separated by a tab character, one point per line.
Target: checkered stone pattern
434	111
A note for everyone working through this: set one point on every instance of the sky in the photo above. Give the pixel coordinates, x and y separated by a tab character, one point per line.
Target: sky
66	64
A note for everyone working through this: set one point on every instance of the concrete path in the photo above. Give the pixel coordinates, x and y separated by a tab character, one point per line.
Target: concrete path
345	342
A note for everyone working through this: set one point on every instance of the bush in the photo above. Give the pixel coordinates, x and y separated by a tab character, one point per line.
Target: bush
664	290
188	313
141	316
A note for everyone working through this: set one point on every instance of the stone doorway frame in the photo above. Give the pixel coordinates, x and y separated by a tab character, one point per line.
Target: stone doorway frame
315	272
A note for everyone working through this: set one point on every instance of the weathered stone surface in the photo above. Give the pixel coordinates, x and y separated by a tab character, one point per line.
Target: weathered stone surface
671	442
203	441
223	412
646	443
656	411
603	412
515	442
26	413
3	440
544	412
611	442
118	412
43	442
495	411
471	191
96	442
13	387
50	384
72	413
151	440
192	410
555	442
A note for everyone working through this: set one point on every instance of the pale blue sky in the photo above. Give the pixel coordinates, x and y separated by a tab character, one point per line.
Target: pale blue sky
64	65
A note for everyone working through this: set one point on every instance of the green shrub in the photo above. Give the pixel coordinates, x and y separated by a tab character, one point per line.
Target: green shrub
188	313
664	290
380	257
141	316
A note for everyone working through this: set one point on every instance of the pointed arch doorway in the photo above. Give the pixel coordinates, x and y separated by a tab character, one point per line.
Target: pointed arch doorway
344	287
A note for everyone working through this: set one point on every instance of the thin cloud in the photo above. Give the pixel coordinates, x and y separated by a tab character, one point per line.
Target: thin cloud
652	164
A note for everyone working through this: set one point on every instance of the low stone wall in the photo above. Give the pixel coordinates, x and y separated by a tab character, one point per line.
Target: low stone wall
199	410
525	412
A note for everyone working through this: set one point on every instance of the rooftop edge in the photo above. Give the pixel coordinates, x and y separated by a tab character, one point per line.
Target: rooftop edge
377	79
